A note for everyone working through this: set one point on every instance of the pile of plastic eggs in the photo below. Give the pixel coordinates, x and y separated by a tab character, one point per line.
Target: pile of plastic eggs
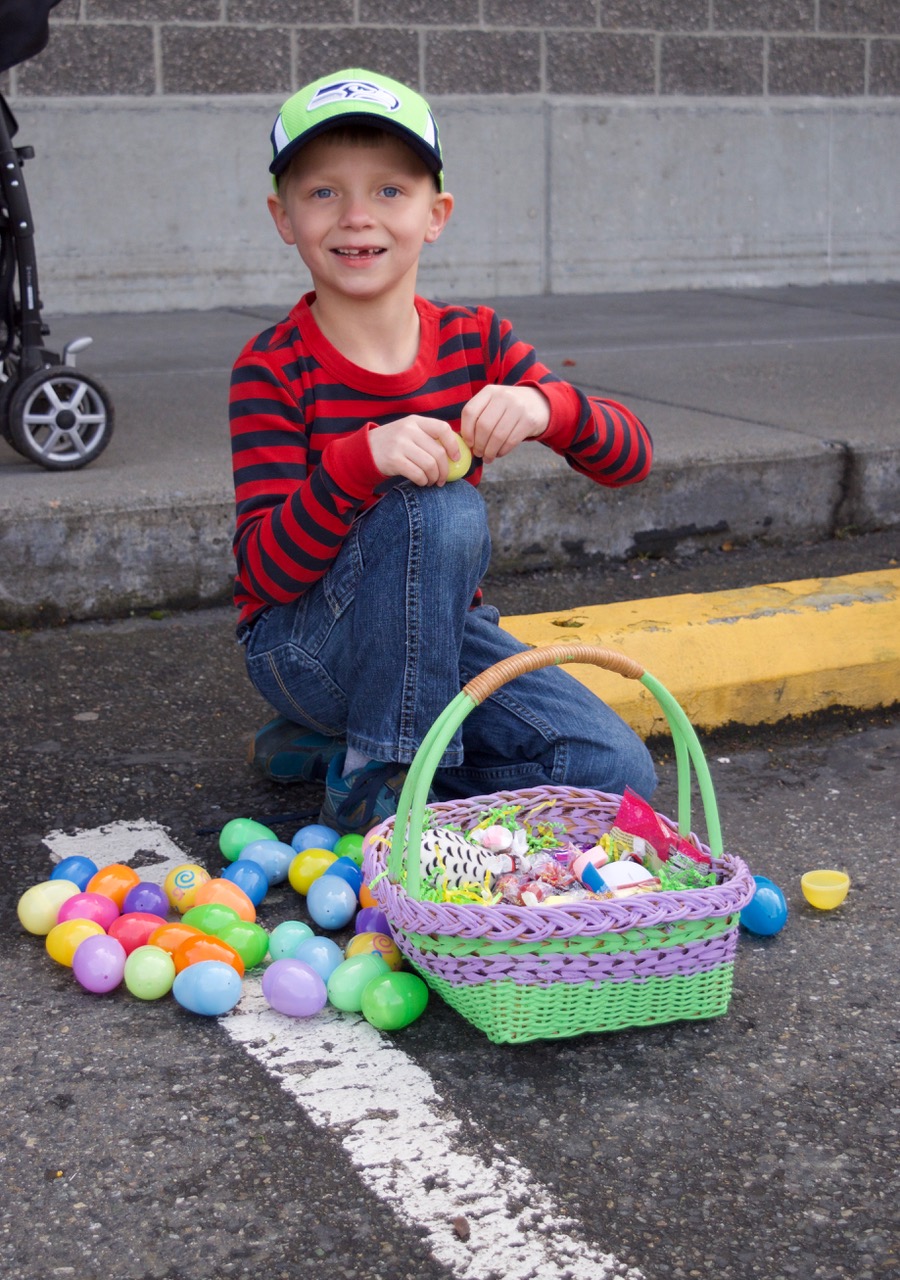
197	936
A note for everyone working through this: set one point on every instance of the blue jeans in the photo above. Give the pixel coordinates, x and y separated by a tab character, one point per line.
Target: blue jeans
375	650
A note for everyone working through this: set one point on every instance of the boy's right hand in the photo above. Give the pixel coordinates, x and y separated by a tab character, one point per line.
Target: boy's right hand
417	448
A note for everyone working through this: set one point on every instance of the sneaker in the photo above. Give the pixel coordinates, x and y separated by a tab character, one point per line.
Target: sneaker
286	752
364	798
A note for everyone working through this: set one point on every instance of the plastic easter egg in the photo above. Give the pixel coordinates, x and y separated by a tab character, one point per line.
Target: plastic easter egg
314	836
286	937
39	906
380	943
294	988
149	973
350	846
249	940
372	920
825	889
75	868
225	894
320	954
134	929
347	869
210	917
248	876
194	950
273	856
351	977
460	467
331	902
182	883
148	898
209	988
766	912
114	881
172	934
99	964
64	939
394	1000
366	896
239	832
308	866
89	906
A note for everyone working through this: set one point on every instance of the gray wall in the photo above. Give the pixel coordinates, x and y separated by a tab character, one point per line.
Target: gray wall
619	144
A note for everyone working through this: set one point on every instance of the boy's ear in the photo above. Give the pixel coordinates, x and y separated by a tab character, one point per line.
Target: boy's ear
441	210
280	218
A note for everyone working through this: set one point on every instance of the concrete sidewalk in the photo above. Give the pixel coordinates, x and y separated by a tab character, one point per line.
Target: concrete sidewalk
775	414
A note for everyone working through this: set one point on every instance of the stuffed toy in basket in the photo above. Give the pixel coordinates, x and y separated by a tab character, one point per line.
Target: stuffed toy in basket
541	971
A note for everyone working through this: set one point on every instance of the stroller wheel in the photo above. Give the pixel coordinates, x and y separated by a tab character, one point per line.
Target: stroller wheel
7	386
60	417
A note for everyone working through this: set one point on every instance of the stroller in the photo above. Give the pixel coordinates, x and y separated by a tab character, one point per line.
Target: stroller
50	413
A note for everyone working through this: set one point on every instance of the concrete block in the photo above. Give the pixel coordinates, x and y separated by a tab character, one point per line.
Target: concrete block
165	197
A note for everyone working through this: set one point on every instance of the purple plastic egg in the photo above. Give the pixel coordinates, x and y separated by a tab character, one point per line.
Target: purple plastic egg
99	963
294	988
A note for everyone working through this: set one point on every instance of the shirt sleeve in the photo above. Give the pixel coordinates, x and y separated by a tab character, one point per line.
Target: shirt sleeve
598	437
291	519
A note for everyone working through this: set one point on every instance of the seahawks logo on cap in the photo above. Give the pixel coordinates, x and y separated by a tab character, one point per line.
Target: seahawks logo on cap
353	91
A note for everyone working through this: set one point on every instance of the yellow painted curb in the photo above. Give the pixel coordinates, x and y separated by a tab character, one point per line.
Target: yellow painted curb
751	656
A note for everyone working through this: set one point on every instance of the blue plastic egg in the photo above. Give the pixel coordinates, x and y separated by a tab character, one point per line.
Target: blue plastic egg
314	836
77	869
766	913
250	877
272	855
347	869
331	902
210	988
320	954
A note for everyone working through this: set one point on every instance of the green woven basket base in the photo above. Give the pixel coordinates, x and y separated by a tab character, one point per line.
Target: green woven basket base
508	1013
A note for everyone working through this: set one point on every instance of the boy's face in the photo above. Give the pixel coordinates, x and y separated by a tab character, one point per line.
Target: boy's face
359	214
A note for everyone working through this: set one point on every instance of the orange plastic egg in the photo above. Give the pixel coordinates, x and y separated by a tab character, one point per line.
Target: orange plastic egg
114	881
193	950
169	936
226	894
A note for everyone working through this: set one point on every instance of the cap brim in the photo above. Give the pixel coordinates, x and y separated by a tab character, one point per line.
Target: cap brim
425	154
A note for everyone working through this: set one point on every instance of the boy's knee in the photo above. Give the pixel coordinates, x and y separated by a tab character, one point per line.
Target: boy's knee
453	519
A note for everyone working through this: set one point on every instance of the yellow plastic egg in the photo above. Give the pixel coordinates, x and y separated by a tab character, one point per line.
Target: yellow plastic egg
64	939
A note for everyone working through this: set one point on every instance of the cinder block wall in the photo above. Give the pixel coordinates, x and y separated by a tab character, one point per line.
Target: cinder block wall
591	144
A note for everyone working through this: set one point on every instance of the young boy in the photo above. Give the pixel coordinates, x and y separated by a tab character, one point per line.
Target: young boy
358	563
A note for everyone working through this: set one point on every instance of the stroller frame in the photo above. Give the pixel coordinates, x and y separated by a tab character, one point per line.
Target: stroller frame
50	413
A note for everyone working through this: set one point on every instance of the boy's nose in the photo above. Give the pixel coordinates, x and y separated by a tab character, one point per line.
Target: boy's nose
356	212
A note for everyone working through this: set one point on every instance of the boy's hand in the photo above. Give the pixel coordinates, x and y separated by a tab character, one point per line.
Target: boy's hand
499	418
420	449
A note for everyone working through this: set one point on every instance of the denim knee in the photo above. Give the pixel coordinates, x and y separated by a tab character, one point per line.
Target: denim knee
452	521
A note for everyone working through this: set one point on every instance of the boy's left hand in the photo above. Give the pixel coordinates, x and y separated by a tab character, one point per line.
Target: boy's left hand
499	418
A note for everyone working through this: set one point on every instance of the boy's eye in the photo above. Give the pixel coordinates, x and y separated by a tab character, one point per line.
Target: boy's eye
390	191
322	193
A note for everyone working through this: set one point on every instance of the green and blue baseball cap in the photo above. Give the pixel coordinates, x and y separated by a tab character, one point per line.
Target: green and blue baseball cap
355	96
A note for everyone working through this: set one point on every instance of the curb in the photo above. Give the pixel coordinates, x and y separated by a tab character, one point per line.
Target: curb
751	656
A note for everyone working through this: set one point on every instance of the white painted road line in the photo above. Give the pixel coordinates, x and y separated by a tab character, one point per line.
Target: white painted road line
483	1220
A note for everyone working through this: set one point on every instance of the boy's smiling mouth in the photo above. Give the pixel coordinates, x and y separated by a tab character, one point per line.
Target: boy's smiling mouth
358	253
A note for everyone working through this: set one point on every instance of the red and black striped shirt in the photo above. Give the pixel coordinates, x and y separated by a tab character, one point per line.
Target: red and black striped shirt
301	413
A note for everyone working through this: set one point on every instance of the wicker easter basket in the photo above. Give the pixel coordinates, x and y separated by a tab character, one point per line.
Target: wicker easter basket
543	972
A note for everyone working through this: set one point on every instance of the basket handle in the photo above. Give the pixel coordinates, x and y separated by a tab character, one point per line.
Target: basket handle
414	796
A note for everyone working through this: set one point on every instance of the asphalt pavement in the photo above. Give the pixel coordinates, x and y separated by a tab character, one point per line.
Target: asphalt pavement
141	1142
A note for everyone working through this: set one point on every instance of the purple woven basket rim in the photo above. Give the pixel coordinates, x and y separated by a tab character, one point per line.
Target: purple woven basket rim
506	923
700	956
